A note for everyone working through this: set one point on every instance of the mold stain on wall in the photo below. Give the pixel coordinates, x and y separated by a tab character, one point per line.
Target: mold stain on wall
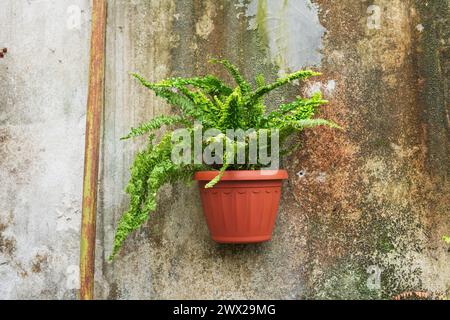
390	222
42	103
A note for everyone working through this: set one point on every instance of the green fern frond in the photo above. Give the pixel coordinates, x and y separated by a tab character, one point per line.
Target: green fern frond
446	239
299	75
217	178
152	168
234	72
230	114
155	124
172	97
206	110
209	84
218	102
296	110
200	107
210	101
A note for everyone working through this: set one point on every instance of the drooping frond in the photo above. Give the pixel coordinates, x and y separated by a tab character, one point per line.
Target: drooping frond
211	102
222	138
311	123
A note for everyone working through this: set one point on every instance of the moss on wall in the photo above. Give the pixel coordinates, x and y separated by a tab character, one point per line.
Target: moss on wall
374	196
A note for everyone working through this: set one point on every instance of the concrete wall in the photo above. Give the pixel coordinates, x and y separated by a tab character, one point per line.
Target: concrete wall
42	105
362	214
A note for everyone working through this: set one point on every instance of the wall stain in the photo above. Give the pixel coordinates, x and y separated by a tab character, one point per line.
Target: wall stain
376	194
39	262
7	244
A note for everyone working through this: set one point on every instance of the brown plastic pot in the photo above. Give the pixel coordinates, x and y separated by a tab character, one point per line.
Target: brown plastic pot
243	206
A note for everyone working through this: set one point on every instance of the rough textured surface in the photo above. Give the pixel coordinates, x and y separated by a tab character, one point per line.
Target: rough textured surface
361	206
42	105
362	214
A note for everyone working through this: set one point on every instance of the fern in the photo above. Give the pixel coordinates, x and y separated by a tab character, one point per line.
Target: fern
186	106
217	106
209	84
152	168
298	109
260	80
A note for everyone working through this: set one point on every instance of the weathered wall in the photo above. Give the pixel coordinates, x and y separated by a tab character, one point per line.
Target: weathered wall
375	198
372	199
42	105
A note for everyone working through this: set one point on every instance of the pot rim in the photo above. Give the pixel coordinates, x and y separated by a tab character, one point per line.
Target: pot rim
243	175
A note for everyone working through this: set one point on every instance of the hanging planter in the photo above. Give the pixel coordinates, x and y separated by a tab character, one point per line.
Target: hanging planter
243	206
239	195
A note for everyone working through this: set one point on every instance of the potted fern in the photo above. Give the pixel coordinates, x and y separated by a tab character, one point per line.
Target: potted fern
222	139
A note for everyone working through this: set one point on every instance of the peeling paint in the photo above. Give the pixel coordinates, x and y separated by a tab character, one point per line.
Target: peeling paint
41	144
277	21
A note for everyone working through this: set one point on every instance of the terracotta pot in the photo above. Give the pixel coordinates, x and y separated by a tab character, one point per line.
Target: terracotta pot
243	206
